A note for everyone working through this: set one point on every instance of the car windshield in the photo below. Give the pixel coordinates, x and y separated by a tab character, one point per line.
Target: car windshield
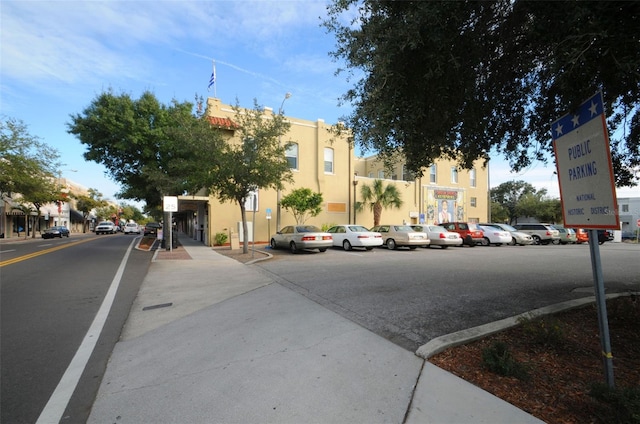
472	226
358	229
438	229
106	223
507	227
403	228
307	229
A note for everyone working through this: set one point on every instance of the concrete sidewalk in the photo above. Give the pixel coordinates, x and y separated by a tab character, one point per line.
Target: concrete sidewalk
211	340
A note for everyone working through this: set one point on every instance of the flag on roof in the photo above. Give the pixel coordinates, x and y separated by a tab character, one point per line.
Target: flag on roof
212	80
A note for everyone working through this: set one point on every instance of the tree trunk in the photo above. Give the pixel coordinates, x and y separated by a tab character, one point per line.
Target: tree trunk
245	230
377	213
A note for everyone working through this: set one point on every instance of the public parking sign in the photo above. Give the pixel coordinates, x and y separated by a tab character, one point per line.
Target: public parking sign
585	172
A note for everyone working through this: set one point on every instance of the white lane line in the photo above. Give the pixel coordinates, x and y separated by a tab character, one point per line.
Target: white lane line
54	409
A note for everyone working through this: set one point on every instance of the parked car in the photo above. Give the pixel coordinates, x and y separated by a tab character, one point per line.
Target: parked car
495	236
349	236
470	232
540	232
582	236
604	235
439	236
517	237
151	228
567	236
58	231
301	237
131	227
106	227
395	236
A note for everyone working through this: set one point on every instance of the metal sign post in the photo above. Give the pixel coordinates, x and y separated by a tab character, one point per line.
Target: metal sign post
587	192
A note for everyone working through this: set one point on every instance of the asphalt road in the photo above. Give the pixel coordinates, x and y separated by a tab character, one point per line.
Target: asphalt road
413	296
51	291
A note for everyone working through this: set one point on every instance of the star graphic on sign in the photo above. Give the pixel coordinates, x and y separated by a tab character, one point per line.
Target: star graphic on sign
558	129
575	120
593	108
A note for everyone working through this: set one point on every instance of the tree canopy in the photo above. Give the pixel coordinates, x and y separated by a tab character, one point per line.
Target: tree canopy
463	79
149	148
513	199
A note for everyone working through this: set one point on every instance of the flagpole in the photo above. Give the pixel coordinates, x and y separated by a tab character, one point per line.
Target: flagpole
212	80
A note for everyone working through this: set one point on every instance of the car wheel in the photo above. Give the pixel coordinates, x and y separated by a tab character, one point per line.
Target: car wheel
536	239
391	244
293	247
486	242
346	245
273	244
324	249
513	242
557	242
444	247
369	248
469	241
413	247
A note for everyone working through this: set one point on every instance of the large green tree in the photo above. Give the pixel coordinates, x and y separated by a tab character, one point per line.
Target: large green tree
27	170
462	79
377	197
254	159
149	148
509	194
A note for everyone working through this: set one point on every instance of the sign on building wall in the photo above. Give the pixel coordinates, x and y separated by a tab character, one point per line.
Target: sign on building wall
444	205
585	172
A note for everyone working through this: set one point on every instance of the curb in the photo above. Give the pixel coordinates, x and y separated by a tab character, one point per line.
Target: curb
461	337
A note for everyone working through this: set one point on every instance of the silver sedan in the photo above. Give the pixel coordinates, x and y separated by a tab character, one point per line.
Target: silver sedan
301	237
401	235
440	236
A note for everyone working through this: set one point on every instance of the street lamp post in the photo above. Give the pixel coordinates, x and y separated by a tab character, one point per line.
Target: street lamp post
279	192
355	184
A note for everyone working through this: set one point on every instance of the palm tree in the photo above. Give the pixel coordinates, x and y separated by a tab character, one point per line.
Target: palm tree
378	197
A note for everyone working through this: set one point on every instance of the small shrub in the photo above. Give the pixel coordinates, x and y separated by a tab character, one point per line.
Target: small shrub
546	331
325	227
220	238
619	405
497	358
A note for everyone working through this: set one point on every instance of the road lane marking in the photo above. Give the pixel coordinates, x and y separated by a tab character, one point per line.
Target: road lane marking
55	407
41	252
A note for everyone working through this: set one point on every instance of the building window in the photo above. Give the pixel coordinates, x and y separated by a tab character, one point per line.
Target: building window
624	208
381	175
292	155
405	174
328	160
472	177
432	173
454	175
370	175
473	202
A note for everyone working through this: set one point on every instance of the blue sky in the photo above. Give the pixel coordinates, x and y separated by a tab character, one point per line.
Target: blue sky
57	56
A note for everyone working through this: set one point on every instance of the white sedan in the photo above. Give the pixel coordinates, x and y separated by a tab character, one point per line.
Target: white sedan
517	237
131	228
301	237
349	236
496	236
440	236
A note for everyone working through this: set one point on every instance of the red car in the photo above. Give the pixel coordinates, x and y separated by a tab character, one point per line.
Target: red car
470	232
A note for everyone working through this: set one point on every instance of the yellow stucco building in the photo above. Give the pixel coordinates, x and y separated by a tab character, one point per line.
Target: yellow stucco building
326	163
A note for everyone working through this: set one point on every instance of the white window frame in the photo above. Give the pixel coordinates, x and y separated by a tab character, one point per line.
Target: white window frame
454	175
472	177
292	155
433	173
328	160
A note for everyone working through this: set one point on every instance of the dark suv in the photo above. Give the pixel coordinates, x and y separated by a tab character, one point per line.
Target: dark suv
470	233
151	228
